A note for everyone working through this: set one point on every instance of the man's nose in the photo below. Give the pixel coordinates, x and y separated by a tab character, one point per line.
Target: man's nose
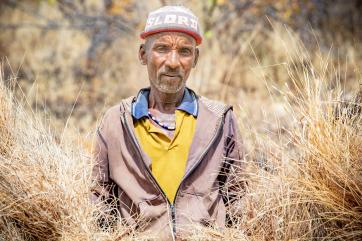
173	61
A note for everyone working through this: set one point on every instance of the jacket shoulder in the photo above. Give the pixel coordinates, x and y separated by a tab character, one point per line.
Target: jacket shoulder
126	104
217	107
113	113
123	105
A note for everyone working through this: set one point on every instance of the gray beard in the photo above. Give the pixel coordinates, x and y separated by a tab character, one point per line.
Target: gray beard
165	89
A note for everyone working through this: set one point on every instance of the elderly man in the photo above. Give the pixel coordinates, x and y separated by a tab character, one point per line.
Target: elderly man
167	152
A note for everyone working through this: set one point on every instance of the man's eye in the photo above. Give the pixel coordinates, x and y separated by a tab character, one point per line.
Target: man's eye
185	51
161	49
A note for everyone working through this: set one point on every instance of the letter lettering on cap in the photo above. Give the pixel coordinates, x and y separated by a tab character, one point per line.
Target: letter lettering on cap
183	20
157	22
170	18
150	22
193	24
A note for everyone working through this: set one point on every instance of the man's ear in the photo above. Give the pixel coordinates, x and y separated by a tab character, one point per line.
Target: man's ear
142	54
197	52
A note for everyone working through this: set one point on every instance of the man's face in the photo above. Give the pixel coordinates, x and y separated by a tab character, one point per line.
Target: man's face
169	57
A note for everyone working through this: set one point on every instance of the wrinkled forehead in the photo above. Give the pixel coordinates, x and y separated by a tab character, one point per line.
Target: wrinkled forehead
171	37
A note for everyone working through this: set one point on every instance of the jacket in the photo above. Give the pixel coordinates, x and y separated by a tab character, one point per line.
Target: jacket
200	199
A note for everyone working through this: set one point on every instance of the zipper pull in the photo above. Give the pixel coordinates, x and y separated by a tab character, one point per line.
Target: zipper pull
172	210
173	217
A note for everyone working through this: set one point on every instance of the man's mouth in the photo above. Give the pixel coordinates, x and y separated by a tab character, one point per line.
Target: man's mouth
171	75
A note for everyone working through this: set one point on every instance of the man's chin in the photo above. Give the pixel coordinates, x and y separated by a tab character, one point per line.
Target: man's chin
170	90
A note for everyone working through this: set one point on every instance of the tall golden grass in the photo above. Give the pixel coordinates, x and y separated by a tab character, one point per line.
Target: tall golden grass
303	184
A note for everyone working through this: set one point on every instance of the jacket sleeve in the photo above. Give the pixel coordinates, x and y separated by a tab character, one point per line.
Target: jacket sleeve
231	180
100	171
104	190
100	168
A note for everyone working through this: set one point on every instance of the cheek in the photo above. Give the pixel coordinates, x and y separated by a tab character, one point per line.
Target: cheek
155	64
187	65
152	67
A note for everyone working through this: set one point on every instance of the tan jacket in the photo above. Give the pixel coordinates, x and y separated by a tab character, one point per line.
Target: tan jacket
199	200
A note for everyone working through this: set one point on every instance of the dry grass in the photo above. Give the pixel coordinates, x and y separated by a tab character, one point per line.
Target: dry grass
42	185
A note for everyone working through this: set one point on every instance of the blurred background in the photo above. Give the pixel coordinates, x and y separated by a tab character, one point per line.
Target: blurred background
75	59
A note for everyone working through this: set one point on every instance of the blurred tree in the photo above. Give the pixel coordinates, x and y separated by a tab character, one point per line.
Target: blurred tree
103	25
328	16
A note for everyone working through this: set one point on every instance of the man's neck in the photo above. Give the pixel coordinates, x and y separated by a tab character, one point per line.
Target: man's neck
164	102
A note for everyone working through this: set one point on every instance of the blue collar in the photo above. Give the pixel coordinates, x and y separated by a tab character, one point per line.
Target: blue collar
140	105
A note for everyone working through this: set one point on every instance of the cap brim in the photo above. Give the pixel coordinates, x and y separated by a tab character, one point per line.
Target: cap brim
197	37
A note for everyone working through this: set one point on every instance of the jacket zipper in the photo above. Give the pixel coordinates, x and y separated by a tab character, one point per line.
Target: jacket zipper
172	208
173	217
194	167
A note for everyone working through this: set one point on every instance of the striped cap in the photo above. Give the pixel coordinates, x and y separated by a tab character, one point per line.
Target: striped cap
173	19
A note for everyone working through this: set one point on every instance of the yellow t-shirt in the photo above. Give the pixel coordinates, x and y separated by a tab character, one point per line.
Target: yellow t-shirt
168	156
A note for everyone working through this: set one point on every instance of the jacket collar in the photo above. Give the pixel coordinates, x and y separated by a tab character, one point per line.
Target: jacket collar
188	104
209	120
